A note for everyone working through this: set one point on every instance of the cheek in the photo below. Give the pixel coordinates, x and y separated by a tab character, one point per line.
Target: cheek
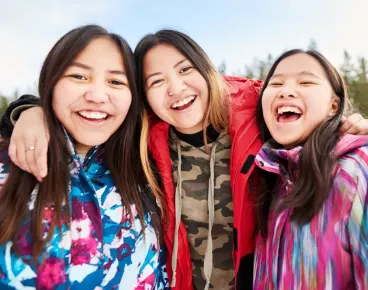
156	100
318	107
198	81
66	94
61	103
266	105
122	104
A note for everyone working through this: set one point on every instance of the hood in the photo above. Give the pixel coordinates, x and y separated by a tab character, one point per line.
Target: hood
349	143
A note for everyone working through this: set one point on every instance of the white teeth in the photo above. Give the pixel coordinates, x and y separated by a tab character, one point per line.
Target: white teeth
289	109
93	115
183	102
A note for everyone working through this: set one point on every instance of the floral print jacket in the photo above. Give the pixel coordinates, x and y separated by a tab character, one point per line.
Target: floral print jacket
98	250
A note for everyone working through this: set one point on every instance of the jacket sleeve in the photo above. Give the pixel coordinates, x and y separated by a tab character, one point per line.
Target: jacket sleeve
13	111
14	272
357	229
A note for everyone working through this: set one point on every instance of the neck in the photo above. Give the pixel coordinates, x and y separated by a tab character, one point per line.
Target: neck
82	149
196	139
193	130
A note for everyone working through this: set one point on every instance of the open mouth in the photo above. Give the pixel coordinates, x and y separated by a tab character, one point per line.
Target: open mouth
93	116
184	103
287	114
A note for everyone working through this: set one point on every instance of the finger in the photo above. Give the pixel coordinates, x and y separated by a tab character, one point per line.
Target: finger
364	127
31	162
354	129
12	151
356	124
21	156
349	123
41	156
345	126
29	142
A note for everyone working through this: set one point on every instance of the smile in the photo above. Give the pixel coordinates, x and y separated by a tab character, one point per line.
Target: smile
184	103
288	114
94	116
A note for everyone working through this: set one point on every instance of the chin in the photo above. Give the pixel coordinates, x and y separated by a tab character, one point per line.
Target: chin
287	142
92	141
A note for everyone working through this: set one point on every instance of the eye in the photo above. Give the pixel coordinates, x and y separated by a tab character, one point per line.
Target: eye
78	77
307	83
117	83
156	82
275	84
186	69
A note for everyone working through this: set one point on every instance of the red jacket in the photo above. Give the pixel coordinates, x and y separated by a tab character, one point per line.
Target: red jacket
246	143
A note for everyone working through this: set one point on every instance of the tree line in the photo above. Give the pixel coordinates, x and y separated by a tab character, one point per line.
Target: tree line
353	70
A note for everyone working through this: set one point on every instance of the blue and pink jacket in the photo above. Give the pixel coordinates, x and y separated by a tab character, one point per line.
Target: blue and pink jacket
102	249
330	252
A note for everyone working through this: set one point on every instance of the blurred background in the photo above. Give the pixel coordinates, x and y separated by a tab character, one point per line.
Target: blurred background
241	37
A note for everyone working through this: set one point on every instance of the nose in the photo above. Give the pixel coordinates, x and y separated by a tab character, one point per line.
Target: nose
288	91
97	93
176	86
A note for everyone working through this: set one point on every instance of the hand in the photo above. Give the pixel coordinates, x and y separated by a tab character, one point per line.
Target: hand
354	124
29	143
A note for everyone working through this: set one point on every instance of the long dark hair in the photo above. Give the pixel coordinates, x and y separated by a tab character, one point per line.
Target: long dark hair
216	113
120	152
316	162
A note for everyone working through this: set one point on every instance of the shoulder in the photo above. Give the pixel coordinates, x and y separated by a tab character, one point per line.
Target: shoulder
352	173
242	94
240	88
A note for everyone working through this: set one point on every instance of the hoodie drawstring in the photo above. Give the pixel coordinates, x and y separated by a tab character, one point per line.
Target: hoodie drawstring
208	258
178	203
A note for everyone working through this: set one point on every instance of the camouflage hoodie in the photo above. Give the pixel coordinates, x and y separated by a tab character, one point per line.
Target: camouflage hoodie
202	180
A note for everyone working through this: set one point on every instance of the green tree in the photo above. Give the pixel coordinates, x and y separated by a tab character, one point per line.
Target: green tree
249	74
312	45
347	68
4	103
270	61
222	67
362	70
262	70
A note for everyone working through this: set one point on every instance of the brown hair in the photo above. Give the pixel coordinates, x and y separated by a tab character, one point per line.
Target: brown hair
217	111
316	162
120	152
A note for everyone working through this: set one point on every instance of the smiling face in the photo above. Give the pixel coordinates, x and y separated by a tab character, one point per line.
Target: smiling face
175	90
92	98
297	99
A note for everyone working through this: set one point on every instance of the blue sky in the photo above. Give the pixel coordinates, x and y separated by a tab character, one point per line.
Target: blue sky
235	31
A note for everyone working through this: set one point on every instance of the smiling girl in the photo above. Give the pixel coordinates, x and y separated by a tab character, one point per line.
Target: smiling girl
91	223
313	209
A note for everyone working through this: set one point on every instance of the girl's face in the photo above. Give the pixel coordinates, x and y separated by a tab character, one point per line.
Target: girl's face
297	99
92	98
175	90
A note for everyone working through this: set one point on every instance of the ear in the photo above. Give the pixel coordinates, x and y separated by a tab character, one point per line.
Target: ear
334	106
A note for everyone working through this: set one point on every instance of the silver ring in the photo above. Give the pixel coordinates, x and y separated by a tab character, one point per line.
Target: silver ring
30	148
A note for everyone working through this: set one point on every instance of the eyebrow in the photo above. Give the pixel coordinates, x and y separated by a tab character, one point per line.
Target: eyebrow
158	73
308	73
86	67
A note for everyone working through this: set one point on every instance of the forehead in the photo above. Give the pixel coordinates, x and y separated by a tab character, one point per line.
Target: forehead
299	63
162	55
101	52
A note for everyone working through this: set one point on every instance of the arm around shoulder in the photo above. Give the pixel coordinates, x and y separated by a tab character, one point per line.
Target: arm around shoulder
357	226
13	111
